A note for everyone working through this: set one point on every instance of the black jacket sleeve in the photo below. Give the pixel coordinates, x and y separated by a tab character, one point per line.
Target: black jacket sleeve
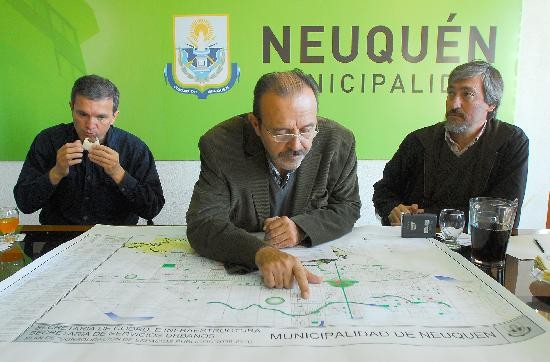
402	175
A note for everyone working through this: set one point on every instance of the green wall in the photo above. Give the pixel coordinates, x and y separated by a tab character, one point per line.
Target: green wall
46	45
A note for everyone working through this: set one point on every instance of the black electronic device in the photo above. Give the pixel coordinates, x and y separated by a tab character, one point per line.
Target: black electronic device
418	225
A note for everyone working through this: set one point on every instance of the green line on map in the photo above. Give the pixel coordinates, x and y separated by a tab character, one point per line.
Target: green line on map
343	290
342	283
412	301
316	311
169	265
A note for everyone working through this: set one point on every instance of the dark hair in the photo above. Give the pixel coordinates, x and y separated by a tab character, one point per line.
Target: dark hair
95	87
493	86
282	83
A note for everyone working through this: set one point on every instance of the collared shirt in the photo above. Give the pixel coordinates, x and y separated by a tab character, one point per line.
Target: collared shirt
87	195
281	180
281	190
456	148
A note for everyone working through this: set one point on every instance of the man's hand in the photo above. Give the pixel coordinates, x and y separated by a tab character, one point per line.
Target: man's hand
279	269
395	214
69	154
108	159
281	232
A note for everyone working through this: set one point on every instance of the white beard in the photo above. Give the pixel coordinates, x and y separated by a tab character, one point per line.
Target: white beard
456	127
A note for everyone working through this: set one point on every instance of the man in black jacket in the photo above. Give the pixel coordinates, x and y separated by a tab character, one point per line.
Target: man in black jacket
88	171
470	154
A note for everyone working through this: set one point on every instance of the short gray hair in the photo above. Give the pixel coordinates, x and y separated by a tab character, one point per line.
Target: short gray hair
493	86
95	88
282	84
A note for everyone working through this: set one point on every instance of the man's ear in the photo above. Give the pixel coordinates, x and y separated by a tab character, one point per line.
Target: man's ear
255	123
71	105
115	115
492	107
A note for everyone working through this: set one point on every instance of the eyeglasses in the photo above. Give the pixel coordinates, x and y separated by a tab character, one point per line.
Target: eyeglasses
287	137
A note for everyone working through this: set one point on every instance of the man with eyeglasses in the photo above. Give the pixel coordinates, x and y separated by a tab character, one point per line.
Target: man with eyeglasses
470	154
88	171
280	169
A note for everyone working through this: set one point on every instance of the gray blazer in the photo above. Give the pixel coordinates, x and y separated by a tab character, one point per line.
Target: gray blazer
231	198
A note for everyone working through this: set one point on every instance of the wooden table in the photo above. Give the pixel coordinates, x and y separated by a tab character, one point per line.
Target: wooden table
39	239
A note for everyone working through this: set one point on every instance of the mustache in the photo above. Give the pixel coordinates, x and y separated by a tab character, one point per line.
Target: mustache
292	153
455	112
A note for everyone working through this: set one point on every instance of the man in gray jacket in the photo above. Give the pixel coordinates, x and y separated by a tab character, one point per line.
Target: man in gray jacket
280	169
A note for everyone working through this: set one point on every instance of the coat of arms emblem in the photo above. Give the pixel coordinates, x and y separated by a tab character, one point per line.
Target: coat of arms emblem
201	56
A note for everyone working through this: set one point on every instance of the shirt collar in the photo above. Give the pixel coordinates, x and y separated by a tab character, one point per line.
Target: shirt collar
282	181
455	148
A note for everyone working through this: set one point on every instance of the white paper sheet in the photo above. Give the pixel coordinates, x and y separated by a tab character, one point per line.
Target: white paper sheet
544	242
314	253
523	247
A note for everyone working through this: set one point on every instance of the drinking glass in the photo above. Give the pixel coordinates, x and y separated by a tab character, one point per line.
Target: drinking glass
9	220
491	222
451	223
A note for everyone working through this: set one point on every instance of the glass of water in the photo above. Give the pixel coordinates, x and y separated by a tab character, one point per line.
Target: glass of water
451	223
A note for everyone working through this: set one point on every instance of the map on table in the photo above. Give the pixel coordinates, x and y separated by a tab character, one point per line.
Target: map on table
147	286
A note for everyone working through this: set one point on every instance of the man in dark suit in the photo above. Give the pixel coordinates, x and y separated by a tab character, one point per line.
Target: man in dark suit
280	169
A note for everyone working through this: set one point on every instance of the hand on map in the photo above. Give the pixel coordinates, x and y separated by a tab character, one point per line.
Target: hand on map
395	215
279	269
281	232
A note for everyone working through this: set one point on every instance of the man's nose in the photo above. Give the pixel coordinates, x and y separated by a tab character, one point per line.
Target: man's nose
89	122
455	102
296	142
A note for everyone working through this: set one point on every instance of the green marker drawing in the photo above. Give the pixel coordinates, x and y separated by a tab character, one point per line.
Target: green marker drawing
274	300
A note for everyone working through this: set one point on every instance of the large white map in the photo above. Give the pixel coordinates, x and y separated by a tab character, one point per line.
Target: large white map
146	286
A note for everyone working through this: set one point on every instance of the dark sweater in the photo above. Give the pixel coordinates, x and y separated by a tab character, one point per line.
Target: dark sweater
424	171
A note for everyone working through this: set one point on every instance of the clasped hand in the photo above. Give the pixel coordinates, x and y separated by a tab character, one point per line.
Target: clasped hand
395	215
281	232
71	154
108	159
